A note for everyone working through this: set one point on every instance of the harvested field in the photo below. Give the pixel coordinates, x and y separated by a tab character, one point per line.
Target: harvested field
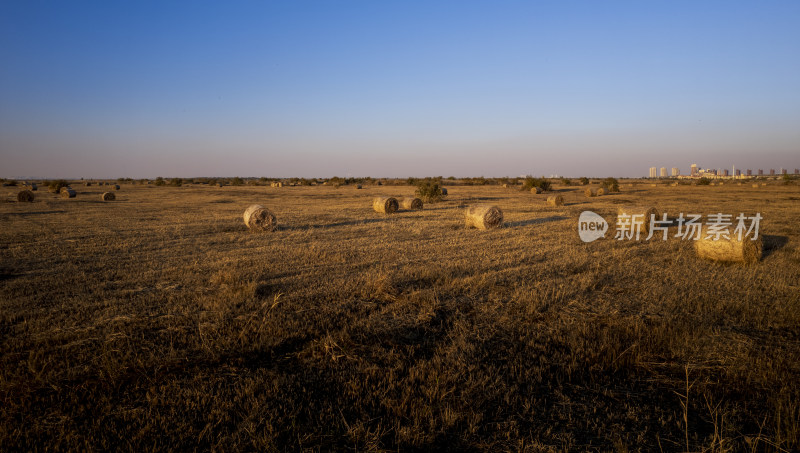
173	328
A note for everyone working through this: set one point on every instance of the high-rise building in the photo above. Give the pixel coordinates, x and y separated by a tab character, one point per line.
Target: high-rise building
783	171
749	172
726	172
653	172
676	171
797	171
760	172
772	172
663	173
694	171
737	173
733	169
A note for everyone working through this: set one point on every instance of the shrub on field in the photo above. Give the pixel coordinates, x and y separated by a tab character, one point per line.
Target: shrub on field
57	185
611	185
429	191
584	180
531	182
703	182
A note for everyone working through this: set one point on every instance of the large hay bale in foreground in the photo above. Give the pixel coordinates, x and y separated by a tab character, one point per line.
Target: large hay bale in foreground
411	203
25	196
484	217
536	190
257	217
108	196
642	216
732	250
67	192
555	200
590	193
385	205
601	191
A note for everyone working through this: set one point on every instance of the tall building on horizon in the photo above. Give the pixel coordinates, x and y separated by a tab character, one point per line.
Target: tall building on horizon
749	172
663	172
676	171
653	172
694	171
772	172
760	172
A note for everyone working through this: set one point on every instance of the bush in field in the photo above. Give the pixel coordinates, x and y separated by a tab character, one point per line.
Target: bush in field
703	182
55	186
177	182
566	181
584	180
237	181
531	182
611	184
429	191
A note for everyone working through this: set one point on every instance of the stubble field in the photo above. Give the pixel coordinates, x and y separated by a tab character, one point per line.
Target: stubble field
159	322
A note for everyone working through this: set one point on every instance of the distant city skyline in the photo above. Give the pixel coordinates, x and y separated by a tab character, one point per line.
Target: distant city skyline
395	89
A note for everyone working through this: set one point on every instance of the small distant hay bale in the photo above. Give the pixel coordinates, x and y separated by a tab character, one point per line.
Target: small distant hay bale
589	192
555	200
385	205
653	185
411	203
257	217
756	186
536	190
108	196
484	217
601	191
116	186
25	196
732	250
444	191
642	218
505	186
87	184
674	184
358	186
67	192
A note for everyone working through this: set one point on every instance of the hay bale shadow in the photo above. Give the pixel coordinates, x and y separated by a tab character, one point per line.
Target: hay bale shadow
522	223
773	243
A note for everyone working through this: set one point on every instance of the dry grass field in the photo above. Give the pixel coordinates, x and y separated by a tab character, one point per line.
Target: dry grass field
159	322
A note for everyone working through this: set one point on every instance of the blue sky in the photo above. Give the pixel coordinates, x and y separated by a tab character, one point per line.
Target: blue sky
315	89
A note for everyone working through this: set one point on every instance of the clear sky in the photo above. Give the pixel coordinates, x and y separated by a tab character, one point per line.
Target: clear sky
396	88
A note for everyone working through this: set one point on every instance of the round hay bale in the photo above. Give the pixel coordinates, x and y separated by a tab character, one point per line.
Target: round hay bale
555	200
536	190
601	191
108	196
484	217
257	217
385	205
411	203
590	193
505	186
653	185
674	184
25	196
642	218
358	186
444	191
731	250
116	186
756	186
67	192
